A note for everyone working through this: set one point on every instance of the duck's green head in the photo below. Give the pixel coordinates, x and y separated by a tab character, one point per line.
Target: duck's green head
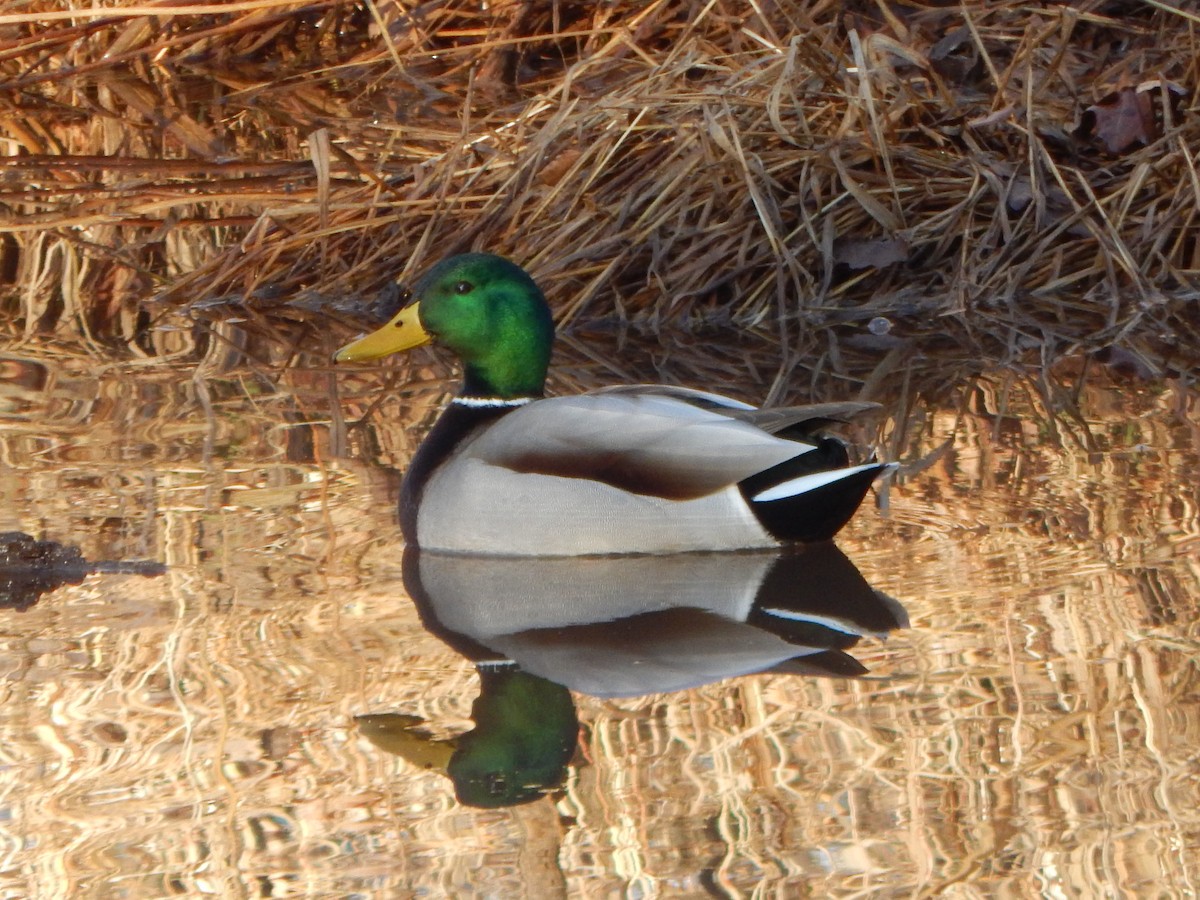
484	309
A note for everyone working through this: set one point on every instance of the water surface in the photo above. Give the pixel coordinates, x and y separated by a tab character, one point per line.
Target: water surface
1033	731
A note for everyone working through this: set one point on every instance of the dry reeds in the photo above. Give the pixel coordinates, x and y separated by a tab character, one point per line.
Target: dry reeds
979	183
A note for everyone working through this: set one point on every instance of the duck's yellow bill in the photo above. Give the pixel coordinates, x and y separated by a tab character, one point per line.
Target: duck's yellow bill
393	733
403	332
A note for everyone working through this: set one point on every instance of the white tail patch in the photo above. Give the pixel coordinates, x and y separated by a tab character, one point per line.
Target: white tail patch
825	621
805	483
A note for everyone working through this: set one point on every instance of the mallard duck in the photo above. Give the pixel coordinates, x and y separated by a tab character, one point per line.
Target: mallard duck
629	469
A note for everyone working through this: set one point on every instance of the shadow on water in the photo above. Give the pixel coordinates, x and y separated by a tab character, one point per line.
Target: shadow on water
610	627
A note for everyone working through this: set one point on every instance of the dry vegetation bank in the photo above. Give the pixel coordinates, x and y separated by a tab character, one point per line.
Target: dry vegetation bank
996	180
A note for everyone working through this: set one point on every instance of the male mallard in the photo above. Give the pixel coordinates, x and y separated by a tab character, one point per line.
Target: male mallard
632	469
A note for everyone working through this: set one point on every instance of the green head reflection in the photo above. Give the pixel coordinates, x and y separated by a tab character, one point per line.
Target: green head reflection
524	736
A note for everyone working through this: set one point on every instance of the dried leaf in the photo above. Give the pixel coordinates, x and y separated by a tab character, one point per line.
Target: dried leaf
866	254
557	168
142	98
1122	120
955	57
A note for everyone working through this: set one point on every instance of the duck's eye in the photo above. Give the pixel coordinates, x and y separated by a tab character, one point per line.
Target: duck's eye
464	287
405	296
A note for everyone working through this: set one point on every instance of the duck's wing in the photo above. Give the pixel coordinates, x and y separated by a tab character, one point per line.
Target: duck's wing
806	418
647	442
701	399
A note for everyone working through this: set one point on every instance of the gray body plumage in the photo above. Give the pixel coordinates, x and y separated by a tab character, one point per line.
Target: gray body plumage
633	470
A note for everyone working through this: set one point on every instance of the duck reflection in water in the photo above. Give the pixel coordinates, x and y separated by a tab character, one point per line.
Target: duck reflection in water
539	628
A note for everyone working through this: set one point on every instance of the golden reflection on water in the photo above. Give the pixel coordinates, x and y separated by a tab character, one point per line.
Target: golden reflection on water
1034	732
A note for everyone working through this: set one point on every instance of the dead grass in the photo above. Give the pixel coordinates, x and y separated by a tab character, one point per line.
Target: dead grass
674	167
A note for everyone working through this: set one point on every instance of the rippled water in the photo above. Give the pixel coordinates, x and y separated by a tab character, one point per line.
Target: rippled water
270	717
